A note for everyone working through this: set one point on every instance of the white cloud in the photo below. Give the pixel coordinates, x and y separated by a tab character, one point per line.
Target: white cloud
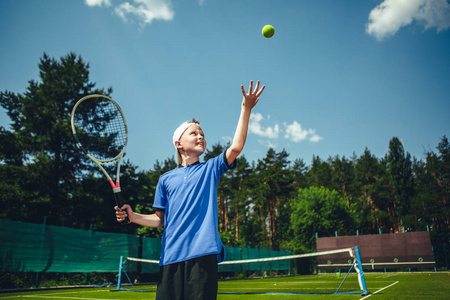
97	2
145	11
141	11
388	17
314	137
296	134
293	132
256	127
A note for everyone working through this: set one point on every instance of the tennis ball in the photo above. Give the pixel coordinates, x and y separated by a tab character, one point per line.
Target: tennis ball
268	31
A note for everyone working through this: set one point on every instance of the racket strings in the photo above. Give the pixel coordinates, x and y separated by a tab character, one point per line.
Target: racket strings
100	128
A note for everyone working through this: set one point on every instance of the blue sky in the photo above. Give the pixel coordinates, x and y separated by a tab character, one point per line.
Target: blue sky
340	76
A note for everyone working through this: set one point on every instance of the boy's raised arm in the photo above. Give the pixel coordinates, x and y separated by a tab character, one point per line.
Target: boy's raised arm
248	102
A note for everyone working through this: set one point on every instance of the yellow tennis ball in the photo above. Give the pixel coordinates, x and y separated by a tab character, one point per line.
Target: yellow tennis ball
268	31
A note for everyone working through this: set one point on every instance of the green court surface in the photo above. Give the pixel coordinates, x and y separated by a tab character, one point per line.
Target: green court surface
381	286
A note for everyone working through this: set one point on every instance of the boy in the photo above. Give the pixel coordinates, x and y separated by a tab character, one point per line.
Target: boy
186	205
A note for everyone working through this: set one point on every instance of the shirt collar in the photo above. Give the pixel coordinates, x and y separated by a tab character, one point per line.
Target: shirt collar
194	164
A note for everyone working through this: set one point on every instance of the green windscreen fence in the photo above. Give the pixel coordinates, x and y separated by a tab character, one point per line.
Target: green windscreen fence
30	247
151	249
27	247
232	253
236	254
249	253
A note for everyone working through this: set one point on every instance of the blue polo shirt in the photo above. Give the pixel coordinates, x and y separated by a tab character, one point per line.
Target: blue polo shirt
188	195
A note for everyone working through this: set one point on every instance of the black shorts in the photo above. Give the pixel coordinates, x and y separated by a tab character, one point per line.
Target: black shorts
189	280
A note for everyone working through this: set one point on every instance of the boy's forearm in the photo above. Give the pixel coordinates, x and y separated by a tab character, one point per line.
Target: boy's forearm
240	136
153	220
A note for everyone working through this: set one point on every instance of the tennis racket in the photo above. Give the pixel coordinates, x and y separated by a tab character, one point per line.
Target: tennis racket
101	132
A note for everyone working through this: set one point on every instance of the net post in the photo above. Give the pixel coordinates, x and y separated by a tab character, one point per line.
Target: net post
346	275
119	277
361	272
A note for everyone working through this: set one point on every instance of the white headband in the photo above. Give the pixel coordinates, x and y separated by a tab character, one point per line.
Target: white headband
176	137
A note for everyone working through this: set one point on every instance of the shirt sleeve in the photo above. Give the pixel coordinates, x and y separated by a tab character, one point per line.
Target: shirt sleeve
233	164
160	200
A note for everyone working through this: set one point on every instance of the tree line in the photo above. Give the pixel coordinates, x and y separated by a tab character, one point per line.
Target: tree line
276	202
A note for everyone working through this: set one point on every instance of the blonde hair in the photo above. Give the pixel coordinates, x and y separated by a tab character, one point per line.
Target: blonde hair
195	121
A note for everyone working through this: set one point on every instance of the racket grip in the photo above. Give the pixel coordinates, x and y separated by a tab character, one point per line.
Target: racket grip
119	202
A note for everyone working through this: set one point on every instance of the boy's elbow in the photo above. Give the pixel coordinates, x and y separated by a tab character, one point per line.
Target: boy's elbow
235	151
232	154
160	218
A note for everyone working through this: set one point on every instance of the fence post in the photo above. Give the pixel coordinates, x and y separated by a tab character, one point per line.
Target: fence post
40	249
445	252
86	277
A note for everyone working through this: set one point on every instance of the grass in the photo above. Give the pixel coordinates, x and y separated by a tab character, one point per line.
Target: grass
382	286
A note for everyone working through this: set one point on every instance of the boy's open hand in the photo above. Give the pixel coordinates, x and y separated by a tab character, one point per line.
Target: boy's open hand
252	97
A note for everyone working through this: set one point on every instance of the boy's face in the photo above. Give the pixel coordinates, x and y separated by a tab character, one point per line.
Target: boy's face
193	140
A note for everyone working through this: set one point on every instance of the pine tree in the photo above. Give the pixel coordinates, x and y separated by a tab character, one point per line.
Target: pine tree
40	141
399	167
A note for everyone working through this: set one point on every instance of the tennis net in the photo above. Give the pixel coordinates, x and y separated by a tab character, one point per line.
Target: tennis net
328	272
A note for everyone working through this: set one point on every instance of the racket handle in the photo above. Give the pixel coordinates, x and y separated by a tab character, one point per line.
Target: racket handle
119	202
